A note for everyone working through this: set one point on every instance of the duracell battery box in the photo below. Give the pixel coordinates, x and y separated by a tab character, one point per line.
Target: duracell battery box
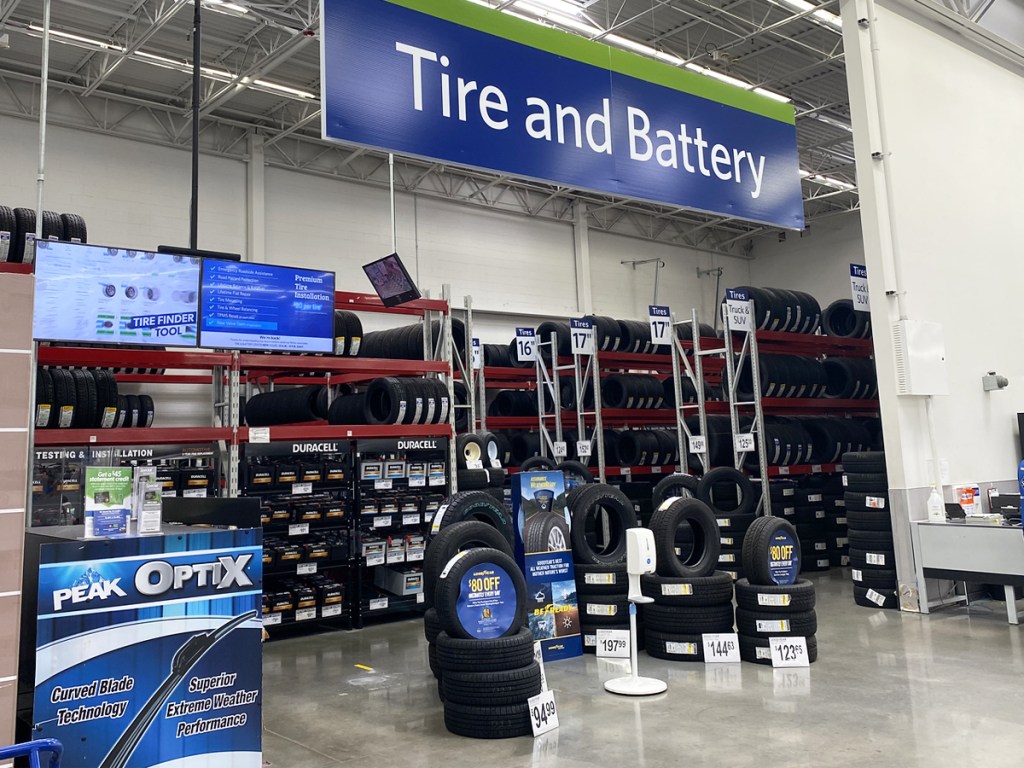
261	477
308	511
329	592
311	473
334	472
286	475
168	479
199	481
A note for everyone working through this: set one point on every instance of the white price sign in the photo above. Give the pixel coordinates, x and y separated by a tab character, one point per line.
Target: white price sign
259	434
661	323
331	610
305	614
721	647
859	288
613	643
411	519
583	449
382	485
271	619
379	604
560	448
478	357
789	651
382	521
305	569
698	444
543	712
744	443
737	305
301	489
299	529
526	344
582	332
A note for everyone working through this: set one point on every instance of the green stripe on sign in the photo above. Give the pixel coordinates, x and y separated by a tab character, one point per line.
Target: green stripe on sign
580	49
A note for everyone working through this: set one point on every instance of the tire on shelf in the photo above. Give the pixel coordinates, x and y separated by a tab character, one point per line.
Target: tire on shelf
767	624
491	689
673	647
715	589
472	479
867	482
45	396
702	558
147	411
766	538
775	598
473	505
495	477
577	470
348	409
387	401
757	650
24	224
676	484
840	319
747	496
503	722
864	461
456	654
455	608
599	580
596	509
537	464
469	448
878	578
85	399
604	610
545	532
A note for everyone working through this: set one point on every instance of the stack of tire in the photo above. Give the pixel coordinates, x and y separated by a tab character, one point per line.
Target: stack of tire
842	320
87	398
19	222
486	674
348	333
872	551
813	525
771	601
478	464
386	400
690	596
406	342
600	515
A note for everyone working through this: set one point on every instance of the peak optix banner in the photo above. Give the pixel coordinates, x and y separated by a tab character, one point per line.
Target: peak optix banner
457	82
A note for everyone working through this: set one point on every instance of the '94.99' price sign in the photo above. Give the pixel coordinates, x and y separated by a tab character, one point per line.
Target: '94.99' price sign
543	713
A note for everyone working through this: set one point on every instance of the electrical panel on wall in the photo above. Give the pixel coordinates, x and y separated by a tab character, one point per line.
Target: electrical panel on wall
920	348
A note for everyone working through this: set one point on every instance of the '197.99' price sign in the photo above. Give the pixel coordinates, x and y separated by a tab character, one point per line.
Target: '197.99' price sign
543	713
613	643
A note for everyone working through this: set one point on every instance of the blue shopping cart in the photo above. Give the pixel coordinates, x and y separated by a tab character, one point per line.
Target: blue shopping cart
33	749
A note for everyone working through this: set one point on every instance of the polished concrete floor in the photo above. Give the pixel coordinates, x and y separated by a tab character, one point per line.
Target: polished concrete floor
888	689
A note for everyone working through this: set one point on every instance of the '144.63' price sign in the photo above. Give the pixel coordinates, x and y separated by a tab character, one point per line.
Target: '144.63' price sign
543	712
721	647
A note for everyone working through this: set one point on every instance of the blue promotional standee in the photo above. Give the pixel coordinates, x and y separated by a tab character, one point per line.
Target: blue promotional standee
543	551
452	81
148	650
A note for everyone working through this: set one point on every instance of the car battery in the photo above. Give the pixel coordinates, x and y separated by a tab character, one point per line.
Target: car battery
430	504
329	592
198	482
266	514
280	511
317	550
311	473
395	550
305	596
285	476
307	511
269	555
167	478
259	477
339	542
389	505
335	473
334	509
374	550
399	581
409	504
415	546
280	601
266	603
289	553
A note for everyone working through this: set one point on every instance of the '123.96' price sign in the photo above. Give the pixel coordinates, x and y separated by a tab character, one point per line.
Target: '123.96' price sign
543	712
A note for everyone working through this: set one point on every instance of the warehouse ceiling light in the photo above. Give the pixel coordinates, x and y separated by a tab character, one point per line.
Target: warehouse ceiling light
68	37
220	6
830	19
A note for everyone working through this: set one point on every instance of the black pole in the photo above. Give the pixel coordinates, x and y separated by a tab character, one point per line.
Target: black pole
193	239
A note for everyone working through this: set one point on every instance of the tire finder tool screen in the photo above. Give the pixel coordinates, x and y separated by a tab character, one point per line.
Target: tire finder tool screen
266	307
101	295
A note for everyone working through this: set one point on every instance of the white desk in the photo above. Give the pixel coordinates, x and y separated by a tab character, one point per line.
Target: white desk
990	554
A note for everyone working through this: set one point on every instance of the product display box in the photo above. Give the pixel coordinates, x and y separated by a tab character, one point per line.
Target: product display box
398	581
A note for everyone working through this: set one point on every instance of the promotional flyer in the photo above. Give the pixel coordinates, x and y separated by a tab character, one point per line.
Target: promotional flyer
148	651
545	555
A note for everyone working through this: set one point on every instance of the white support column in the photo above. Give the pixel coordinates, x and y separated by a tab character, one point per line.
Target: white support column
581	250
255	201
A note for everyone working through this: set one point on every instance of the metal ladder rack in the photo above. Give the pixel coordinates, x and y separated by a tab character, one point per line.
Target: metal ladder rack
582	376
733	365
547	382
695	373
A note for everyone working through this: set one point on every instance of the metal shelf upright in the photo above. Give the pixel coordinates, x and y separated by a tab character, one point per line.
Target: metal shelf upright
695	373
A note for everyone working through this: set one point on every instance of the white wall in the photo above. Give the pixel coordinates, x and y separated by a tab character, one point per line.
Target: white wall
816	261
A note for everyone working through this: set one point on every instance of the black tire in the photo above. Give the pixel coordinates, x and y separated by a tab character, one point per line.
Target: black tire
879	560
472	479
702	558
757	649
860	501
864	462
676	484
586	512
746	495
537	464
435	670
764	534
456	654
74	227
715	589
387	401
24	224
869	483
347	409
492	449
85	399
872	541
869	519
106	398
473	505
451	593
7	224
686	620
147	411
768	624
673	647
491	689
431	626
876	598
503	722
470	448
545	532
774	598
451	540
495	477
877	578
45	400
603	611
576	470
599	580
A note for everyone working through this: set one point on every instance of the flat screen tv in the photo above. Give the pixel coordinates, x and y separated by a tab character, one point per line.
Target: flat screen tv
102	295
265	307
391	280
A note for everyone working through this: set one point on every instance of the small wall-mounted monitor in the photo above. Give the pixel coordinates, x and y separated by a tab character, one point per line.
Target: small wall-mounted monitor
102	295
265	307
391	280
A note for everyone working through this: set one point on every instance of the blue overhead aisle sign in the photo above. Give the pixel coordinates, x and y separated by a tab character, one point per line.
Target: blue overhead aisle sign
452	81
